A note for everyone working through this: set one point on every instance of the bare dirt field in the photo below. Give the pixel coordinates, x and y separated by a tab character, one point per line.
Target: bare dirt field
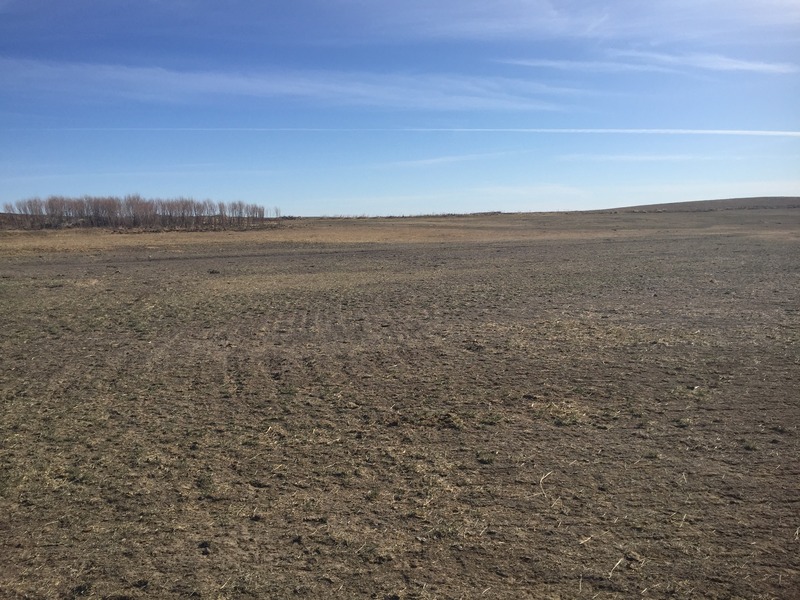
496	406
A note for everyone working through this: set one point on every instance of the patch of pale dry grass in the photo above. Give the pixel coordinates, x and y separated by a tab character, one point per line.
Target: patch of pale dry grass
304	231
470	228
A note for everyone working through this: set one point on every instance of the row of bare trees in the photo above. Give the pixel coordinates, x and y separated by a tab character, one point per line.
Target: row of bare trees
135	212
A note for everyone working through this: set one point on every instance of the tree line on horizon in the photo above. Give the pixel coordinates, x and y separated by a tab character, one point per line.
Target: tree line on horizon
135	212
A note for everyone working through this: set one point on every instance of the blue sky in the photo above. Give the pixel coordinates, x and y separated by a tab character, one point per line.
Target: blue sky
357	107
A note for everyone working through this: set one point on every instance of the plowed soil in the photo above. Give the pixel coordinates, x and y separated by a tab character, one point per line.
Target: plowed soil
497	406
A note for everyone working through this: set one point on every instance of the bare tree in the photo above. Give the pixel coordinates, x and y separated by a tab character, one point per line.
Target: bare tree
133	211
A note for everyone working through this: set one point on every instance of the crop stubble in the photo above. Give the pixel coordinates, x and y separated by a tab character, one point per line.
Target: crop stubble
543	406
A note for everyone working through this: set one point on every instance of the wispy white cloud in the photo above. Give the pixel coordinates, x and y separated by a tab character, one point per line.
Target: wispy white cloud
469	19
607	131
476	130
547	19
444	160
397	91
708	62
592	66
659	62
638	157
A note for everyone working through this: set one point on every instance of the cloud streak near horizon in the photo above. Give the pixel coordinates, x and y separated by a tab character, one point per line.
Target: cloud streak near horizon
532	130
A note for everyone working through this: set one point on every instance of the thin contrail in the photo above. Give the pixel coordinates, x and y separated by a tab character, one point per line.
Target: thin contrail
535	130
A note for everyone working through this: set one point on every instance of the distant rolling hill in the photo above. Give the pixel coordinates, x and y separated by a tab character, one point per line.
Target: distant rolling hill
712	205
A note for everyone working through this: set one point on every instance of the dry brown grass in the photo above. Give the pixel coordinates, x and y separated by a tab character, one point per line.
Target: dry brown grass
522	405
471	228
